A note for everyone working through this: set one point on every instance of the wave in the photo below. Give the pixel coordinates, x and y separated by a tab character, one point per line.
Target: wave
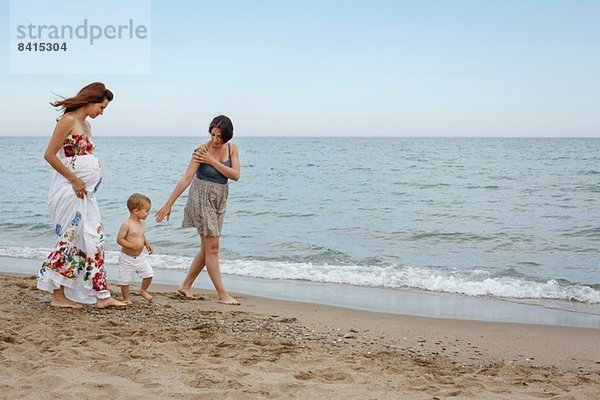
453	237
473	282
588	232
274	214
27	226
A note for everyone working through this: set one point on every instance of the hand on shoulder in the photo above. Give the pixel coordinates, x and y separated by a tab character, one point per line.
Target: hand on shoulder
203	146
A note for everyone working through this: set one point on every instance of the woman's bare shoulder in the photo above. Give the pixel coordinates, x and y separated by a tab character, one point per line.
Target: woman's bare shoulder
65	124
67	119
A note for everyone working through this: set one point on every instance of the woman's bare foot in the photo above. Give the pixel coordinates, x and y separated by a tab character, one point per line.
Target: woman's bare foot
146	295
186	293
227	299
110	302
60	300
65	303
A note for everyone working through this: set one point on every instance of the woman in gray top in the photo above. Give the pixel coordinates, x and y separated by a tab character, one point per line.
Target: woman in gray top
211	166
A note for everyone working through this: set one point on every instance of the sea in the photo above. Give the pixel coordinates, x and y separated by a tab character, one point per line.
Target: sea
505	218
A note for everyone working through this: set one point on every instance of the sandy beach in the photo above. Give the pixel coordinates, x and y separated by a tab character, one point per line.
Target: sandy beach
199	349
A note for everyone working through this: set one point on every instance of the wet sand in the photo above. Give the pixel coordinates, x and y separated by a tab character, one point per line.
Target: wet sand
199	349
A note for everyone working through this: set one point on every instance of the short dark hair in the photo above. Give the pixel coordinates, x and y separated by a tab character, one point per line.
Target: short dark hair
138	200
225	125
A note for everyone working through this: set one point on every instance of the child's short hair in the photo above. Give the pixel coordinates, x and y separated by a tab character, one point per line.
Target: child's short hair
138	200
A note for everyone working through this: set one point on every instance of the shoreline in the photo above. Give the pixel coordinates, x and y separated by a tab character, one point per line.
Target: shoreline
402	302
176	348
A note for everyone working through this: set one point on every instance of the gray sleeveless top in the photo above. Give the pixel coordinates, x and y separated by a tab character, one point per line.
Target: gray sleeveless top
208	173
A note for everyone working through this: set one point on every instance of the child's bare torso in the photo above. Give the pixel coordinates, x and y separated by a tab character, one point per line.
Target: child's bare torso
135	235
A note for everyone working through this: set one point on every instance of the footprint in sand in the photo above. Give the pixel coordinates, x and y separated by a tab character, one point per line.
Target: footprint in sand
328	376
8	339
287	320
212	379
335	376
305	376
179	296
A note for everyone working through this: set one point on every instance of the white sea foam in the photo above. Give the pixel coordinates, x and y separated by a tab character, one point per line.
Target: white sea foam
467	282
23	252
471	283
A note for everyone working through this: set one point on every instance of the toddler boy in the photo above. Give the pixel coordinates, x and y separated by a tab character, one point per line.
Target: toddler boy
132	240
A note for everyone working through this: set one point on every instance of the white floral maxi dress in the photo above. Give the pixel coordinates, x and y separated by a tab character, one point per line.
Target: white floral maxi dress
77	261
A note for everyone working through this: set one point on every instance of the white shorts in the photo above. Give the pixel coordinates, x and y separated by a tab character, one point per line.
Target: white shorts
129	266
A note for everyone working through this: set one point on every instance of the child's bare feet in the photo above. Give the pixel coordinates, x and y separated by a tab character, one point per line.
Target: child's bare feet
227	299
110	302
186	293
127	302
65	303
146	295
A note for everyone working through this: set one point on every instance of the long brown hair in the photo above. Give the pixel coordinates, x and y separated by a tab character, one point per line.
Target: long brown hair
95	92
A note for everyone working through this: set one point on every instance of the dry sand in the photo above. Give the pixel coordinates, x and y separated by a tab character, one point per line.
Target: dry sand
199	349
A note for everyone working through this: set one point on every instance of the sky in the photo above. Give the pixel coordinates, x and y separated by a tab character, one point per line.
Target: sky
336	68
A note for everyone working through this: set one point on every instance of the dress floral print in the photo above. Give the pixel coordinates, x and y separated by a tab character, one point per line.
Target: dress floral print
77	260
69	261
77	145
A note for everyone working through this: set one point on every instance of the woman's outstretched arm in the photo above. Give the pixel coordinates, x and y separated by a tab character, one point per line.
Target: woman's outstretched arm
184	182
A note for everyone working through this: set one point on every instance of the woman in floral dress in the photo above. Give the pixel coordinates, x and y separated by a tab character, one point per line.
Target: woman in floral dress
74	271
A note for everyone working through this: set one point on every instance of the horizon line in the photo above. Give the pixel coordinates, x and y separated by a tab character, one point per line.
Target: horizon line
334	136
